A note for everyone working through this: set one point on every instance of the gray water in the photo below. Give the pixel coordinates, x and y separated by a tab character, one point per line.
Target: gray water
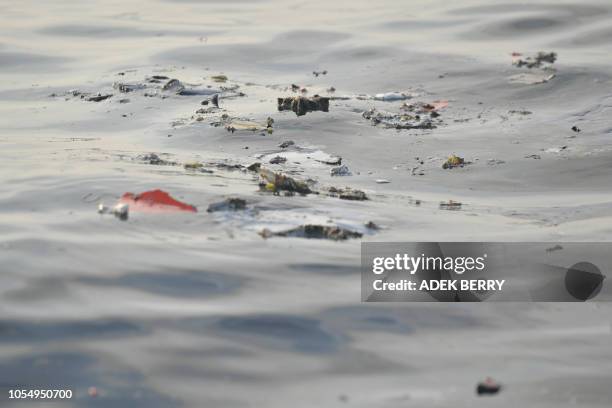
192	310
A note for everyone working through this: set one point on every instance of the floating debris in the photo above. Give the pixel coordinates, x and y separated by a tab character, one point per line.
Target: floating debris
541	63
229	204
125	88
554	248
454	161
278	160
393	96
576	129
155	201
555	149
531	78
310	231
400	120
302	105
286	144
340	171
98	97
347	193
173	85
533	156
276	182
495	162
450	205
536	61
92	392
383	181
255	167
331	161
120	210
519	112
219	78
155	160
372	226
317	73
488	387
195	166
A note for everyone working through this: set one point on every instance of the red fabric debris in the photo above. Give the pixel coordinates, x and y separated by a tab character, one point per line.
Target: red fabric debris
155	201
437	105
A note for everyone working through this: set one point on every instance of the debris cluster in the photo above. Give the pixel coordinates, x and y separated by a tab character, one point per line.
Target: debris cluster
539	66
535	61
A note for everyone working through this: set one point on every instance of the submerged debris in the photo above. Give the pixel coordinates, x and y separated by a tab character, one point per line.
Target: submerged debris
488	387
310	231
454	161
340	171
302	105
276	182
229	204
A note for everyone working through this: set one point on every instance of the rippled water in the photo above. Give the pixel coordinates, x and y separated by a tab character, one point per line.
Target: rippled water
199	310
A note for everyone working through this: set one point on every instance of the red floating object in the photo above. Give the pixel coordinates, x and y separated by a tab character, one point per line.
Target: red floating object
155	201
